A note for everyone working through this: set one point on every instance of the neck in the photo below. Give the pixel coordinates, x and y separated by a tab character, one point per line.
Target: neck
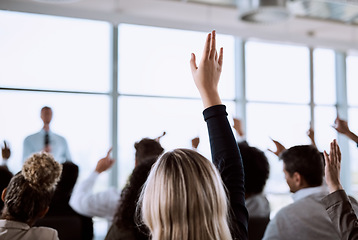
46	127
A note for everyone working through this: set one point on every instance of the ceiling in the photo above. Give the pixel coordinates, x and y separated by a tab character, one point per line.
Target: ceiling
302	28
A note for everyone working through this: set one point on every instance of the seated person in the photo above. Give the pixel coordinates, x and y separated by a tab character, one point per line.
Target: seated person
184	196
257	170
306	218
125	226
61	210
27	199
104	204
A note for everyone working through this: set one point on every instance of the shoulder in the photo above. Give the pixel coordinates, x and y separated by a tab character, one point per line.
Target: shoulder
31	136
43	233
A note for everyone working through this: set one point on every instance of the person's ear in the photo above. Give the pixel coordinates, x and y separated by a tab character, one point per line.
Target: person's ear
297	179
3	194
43	212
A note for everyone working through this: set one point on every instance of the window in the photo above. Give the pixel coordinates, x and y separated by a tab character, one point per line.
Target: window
45	52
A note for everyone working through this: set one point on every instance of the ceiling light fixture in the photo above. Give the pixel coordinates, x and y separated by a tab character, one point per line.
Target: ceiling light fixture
263	11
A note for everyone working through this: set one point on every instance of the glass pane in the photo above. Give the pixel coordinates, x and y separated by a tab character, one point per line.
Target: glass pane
352	83
82	119
324	132
324	76
155	61
277	73
287	124
140	117
46	52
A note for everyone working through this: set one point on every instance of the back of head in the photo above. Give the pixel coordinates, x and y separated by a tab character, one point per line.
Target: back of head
64	186
147	148
305	160
30	191
256	167
184	198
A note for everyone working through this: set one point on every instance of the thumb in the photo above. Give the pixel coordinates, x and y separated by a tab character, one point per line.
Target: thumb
193	65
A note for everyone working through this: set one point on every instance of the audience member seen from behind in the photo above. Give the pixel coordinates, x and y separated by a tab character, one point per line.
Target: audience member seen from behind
305	218
257	170
27	199
337	203
342	127
184	196
60	209
104	204
46	140
125	225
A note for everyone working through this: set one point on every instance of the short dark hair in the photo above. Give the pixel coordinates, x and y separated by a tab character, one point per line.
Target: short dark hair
45	108
256	167
147	148
305	160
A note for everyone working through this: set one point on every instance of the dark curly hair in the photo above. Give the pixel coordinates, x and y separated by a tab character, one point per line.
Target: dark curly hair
30	191
147	148
256	167
125	217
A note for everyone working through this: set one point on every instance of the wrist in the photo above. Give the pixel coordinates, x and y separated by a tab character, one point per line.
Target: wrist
334	188
210	98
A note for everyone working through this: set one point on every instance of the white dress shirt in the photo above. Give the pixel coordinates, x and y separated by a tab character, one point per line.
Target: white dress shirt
36	143
13	230
102	204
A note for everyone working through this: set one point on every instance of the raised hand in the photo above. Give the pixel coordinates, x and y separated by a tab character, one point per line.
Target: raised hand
206	76
310	134
105	163
158	138
238	127
5	151
341	126
279	148
333	167
195	142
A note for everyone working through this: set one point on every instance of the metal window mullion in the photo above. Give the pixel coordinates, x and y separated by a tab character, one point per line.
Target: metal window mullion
342	109
240	81
114	107
312	102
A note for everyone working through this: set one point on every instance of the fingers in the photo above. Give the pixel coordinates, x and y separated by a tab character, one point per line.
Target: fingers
5	146
206	53
221	56
109	152
337	150
193	65
213	45
326	157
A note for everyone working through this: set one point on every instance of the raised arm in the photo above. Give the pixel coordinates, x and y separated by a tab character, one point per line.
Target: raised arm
342	127
337	203
224	150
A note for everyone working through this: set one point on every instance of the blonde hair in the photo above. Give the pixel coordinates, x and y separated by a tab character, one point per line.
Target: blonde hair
184	198
30	191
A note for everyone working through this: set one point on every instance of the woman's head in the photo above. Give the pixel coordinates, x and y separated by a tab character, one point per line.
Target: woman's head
29	192
184	198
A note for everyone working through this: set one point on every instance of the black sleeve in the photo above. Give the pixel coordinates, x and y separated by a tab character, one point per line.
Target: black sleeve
226	157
